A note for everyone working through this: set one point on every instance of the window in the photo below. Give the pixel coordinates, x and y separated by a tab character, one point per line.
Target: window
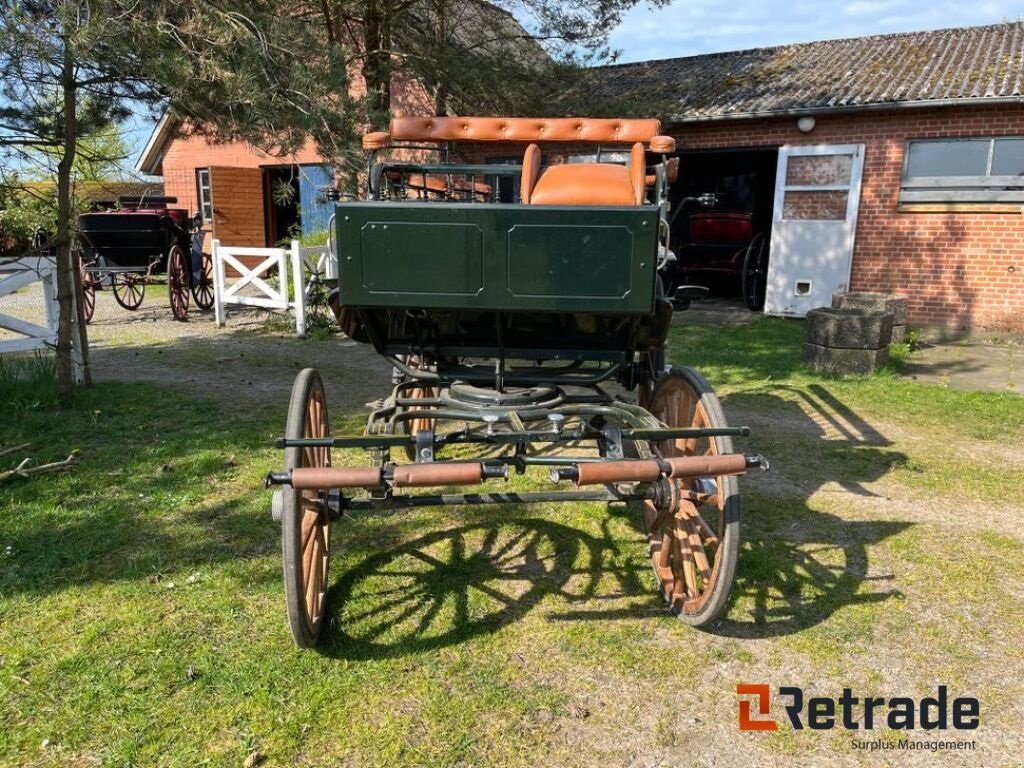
984	170
204	195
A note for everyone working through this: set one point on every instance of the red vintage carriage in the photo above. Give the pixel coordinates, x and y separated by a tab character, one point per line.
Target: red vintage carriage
719	246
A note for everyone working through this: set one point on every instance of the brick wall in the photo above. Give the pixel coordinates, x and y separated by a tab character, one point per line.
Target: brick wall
959	269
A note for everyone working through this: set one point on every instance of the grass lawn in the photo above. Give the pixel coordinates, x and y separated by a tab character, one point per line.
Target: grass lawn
142	616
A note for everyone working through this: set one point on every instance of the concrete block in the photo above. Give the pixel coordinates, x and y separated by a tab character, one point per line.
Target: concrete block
844	362
873	302
848	328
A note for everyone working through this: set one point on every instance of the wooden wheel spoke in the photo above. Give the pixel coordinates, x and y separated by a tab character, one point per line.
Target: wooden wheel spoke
700	557
704	528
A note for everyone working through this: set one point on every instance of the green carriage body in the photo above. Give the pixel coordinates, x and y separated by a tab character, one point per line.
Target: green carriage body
500	257
501	280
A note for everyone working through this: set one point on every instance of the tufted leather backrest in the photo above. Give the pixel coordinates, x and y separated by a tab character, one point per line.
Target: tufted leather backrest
524	129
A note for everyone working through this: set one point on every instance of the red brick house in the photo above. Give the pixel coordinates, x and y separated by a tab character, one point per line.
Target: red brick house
238	187
892	163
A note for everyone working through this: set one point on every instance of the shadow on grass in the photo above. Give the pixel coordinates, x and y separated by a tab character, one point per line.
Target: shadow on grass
447	587
798	565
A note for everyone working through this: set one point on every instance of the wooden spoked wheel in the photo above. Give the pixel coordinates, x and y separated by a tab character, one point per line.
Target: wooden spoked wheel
129	289
177	282
694	541
305	522
88	290
202	289
755	272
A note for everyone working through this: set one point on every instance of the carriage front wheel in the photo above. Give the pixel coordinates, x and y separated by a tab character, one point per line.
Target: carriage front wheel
177	282
305	522
129	289
694	539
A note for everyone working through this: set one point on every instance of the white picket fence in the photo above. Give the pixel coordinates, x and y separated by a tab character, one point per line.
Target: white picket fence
266	284
15	274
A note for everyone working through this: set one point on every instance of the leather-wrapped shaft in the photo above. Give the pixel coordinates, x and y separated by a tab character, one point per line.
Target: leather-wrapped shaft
647	470
437	473
321	478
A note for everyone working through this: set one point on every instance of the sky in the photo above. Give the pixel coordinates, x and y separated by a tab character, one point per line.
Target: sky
689	27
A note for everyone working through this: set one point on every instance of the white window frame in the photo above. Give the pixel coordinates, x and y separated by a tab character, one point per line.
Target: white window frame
960	189
205	205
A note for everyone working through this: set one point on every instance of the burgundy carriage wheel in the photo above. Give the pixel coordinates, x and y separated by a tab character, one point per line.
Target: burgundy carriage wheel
305	523
202	289
755	272
694	541
88	290
177	282
129	289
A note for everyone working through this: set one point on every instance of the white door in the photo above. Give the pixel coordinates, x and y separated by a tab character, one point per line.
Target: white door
817	192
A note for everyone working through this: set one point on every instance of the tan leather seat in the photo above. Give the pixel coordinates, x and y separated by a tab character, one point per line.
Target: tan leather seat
583	183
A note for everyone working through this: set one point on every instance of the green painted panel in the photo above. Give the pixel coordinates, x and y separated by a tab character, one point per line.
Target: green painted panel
564	261
497	256
422	257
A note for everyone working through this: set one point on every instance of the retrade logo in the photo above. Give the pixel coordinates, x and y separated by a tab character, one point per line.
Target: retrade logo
822	713
747	723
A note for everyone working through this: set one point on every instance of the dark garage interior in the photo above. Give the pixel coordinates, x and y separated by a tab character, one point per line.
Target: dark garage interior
710	239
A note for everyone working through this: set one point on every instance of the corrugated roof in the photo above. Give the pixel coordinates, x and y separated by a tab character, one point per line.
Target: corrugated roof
914	68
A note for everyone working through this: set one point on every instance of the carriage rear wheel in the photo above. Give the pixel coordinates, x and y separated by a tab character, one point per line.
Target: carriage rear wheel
305	522
755	272
202	289
694	541
88	290
129	289
177	282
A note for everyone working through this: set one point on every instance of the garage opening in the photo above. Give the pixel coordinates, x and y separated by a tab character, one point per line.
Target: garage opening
721	219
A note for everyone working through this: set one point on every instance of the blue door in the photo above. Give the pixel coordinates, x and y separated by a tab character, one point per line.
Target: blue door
315	210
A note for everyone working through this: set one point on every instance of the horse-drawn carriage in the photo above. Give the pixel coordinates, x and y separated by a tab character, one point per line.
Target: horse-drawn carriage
136	238
513	329
719	246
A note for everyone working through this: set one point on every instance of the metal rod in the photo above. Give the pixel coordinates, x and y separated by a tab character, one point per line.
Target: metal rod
465	499
508	438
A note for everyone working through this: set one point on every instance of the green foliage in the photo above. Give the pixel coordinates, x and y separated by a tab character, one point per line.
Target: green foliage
473	56
27	382
27	215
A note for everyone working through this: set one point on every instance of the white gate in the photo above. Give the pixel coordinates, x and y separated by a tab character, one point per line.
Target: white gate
15	274
817	195
266	284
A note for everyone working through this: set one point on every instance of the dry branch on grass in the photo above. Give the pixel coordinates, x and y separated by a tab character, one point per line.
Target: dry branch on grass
25	468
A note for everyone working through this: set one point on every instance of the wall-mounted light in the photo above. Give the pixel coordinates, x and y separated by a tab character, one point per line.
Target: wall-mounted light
806	124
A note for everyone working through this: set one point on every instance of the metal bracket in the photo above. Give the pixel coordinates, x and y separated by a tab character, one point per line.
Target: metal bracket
425	445
613	442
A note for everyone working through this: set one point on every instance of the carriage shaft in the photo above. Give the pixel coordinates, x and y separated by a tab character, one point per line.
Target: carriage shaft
677	467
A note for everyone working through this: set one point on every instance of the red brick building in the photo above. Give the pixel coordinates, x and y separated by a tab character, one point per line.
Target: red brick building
906	151
249	197
891	163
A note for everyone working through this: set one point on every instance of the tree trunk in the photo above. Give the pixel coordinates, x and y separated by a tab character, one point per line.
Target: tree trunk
377	67
65	280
